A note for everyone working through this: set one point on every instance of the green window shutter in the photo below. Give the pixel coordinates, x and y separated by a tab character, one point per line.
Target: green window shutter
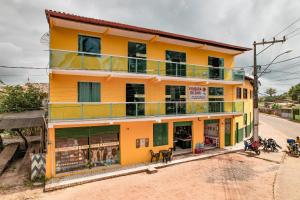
160	134
95	92
84	92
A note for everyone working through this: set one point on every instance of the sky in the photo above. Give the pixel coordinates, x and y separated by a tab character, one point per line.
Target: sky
239	22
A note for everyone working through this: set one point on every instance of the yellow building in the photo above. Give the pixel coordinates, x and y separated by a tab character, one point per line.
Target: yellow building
118	91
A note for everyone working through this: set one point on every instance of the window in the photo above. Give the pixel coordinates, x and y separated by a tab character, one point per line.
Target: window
137	53
160	134
215	72
245	93
238	93
88	92
175	98
177	65
135	93
215	91
251	95
89	44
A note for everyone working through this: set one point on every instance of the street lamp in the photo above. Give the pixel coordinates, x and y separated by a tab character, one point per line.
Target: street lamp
288	51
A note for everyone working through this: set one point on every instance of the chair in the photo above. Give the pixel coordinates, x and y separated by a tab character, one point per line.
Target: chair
154	155
169	155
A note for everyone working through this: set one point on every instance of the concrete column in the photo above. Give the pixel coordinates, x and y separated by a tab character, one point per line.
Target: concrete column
222	133
197	132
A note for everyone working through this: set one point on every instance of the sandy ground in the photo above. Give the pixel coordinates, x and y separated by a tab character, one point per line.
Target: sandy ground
230	176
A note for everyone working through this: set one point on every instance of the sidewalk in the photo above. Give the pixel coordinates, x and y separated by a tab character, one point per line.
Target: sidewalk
68	181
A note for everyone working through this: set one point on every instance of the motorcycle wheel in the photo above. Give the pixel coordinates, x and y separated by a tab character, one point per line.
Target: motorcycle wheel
257	152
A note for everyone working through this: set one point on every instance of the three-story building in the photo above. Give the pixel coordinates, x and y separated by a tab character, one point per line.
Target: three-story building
118	91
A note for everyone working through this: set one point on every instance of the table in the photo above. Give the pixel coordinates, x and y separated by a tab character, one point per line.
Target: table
184	143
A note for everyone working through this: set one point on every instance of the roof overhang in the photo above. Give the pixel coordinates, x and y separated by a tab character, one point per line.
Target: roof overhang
63	20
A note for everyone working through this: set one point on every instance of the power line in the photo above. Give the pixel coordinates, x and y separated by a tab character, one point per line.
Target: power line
294	22
282	61
264	49
14	67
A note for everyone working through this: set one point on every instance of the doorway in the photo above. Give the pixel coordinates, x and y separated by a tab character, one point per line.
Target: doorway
182	141
135	99
176	66
175	98
137	57
216	70
211	133
227	132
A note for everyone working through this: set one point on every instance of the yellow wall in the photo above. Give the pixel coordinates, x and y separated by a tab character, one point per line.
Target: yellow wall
67	39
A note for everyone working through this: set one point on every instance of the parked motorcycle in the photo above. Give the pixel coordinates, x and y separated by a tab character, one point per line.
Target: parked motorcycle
293	148
271	145
252	146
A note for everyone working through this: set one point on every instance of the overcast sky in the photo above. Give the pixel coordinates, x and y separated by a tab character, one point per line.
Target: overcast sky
239	22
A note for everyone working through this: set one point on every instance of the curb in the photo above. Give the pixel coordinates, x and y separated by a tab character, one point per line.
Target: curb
103	176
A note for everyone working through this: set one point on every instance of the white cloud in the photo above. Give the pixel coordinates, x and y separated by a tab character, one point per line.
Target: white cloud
239	22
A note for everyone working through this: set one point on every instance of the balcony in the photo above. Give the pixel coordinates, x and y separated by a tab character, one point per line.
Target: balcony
134	110
71	60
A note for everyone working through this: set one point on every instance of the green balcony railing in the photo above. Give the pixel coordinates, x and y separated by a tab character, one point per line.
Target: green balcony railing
80	111
62	59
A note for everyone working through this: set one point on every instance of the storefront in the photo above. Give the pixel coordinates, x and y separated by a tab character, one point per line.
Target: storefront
85	147
182	137
211	133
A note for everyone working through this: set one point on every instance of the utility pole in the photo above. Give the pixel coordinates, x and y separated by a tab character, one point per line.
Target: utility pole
255	87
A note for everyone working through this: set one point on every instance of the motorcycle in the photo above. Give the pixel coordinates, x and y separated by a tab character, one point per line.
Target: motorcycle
252	146
293	148
271	145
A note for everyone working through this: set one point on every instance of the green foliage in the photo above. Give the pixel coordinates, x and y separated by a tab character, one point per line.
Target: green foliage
276	106
18	98
294	92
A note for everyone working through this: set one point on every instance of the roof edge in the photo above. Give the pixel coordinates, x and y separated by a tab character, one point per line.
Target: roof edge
63	15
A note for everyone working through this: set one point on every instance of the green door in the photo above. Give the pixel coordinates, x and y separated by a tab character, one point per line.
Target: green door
237	132
227	132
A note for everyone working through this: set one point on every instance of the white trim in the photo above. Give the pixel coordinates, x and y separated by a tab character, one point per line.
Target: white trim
113	121
139	76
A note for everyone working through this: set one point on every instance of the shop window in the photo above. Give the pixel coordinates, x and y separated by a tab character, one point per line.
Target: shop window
177	66
137	61
89	44
160	134
88	92
216	91
238	93
245	93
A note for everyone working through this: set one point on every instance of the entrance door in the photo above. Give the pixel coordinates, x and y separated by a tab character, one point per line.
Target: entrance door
135	99
137	57
182	132
177	66
211	133
237	133
227	132
216	72
175	94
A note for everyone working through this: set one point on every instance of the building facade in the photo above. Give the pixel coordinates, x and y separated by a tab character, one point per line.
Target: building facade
118	91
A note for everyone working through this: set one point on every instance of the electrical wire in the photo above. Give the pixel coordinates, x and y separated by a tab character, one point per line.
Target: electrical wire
13	67
287	27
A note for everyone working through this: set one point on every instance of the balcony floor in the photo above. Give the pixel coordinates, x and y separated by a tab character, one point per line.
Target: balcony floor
53	123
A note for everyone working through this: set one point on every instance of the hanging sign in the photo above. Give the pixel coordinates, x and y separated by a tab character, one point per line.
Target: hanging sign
197	92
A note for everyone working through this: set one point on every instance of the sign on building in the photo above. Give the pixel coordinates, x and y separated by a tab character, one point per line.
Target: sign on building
197	93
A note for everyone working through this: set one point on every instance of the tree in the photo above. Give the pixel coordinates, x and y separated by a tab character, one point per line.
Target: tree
18	98
294	92
271	91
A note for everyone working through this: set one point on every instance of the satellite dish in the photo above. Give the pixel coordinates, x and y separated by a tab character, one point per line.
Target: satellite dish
45	39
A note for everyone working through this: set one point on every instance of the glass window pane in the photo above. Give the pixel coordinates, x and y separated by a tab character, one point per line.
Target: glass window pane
88	44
